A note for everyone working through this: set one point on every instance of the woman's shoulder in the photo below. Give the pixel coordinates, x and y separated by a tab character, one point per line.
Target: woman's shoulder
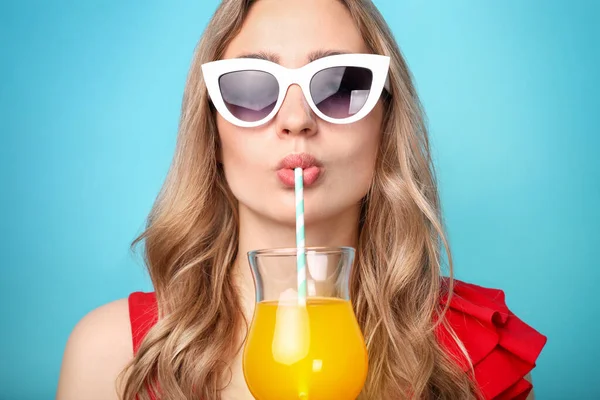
98	349
502	348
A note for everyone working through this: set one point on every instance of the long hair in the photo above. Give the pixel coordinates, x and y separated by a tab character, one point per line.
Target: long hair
191	242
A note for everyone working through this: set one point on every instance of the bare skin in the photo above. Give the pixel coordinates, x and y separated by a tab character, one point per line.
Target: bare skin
100	345
98	349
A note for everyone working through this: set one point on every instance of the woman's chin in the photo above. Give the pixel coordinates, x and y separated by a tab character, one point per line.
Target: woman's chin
288	218
284	213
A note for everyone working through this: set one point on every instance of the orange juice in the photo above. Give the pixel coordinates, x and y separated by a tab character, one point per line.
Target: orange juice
315	352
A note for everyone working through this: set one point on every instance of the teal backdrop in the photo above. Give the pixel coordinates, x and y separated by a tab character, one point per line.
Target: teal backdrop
89	100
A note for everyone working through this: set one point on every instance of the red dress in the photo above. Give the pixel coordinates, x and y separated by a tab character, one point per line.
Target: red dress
502	348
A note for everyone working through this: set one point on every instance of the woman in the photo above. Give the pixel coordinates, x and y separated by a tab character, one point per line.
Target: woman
371	187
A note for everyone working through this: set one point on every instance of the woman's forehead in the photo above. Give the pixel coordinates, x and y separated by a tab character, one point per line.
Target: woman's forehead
294	31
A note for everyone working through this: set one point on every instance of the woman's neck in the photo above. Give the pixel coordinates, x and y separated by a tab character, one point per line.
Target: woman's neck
259	232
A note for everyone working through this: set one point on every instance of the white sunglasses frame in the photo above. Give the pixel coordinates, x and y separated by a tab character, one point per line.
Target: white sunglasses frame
378	64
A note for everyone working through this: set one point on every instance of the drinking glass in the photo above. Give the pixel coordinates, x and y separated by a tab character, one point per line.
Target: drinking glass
312	348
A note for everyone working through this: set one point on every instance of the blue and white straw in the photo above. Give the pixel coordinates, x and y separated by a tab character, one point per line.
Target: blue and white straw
300	238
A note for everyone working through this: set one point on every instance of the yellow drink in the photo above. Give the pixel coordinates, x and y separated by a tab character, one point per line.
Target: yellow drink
315	352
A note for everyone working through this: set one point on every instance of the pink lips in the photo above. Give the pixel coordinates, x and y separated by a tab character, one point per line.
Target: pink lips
311	169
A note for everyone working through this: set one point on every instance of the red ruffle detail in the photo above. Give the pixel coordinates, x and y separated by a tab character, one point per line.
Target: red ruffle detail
503	349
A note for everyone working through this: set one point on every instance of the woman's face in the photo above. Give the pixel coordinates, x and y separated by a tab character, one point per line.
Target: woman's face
292	30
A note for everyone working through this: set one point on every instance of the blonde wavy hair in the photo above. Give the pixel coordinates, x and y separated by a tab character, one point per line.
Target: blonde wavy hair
191	242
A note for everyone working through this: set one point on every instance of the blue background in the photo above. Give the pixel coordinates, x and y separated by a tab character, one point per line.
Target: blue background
89	102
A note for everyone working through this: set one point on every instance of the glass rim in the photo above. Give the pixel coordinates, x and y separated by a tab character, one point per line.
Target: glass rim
293	251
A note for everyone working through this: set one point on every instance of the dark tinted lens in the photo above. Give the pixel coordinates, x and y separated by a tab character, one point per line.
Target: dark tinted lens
341	92
249	95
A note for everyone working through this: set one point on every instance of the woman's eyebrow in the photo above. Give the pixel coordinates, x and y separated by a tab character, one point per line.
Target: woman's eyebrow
263	55
312	56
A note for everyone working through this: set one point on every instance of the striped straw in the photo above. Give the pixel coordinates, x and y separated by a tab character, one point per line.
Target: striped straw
300	241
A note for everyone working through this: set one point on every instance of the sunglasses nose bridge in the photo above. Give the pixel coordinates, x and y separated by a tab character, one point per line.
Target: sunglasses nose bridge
293	94
290	78
295	114
296	77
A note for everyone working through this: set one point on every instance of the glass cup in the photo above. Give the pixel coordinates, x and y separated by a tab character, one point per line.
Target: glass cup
312	350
